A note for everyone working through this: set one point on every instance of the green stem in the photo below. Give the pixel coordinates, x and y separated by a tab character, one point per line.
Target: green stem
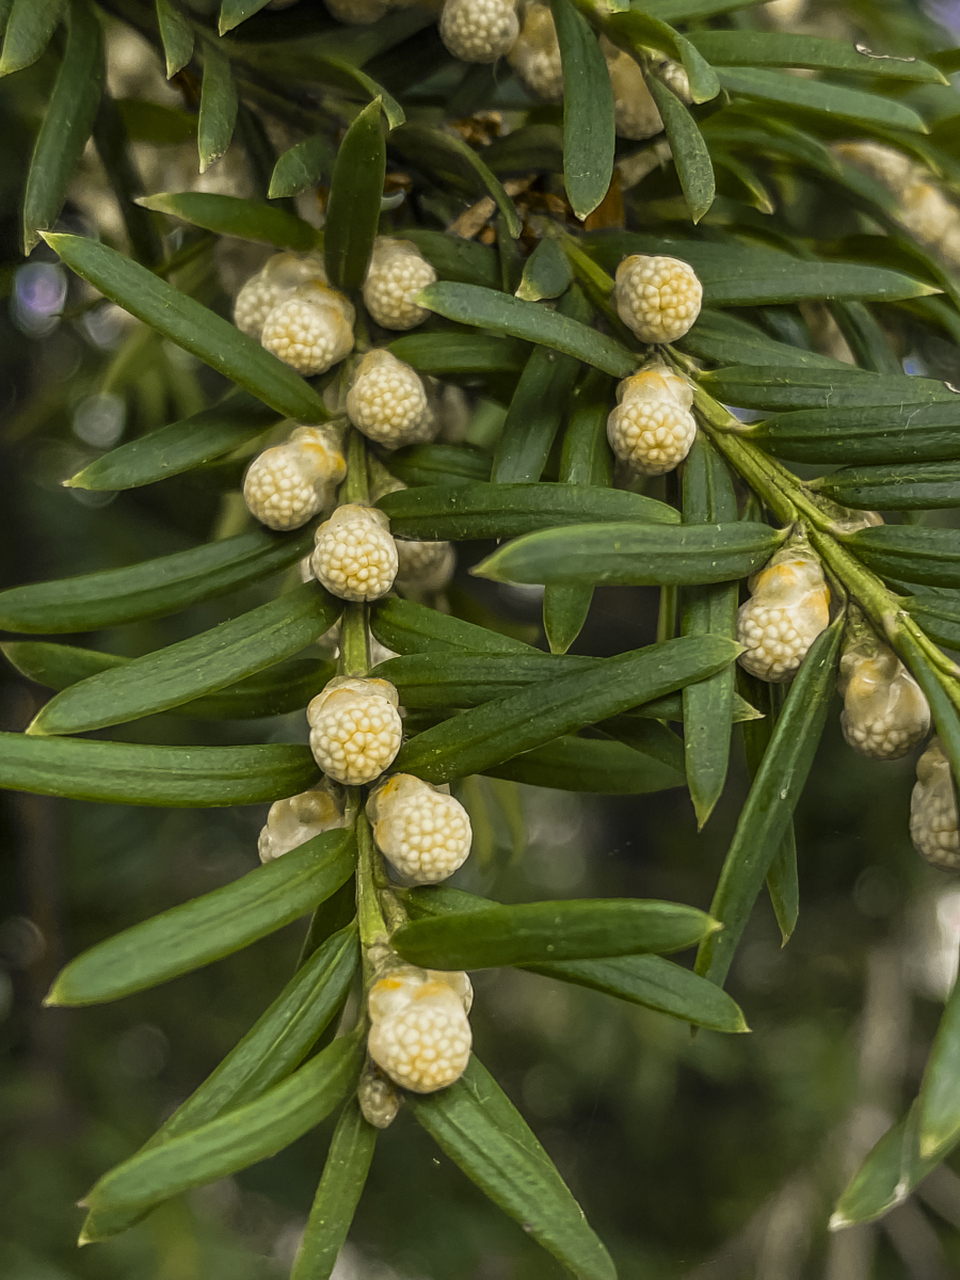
373	927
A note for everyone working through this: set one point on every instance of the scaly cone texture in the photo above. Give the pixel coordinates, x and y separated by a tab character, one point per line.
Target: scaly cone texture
397	273
885	713
273	284
378	1097
424	567
311	329
535	56
636	112
294	821
355	729
933	810
354	556
652	428
479	30
419	1034
420	829
788	608
659	298
388	402
286	485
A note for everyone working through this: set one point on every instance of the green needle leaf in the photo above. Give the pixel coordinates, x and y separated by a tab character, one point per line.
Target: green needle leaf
176	36
192	326
353	209
235	1140
174	777
28	30
343	1179
152	588
218	105
499	730
193	667
772	800
487	309
231	216
589	133
481	1131
619	553
69	115
537	932
207	928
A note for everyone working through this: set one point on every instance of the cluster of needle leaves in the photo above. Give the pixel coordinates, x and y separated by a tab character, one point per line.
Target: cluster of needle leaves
806	264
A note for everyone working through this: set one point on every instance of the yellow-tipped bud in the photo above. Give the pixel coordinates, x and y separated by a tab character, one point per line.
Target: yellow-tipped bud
354	556
885	713
355	729
294	821
311	330
788	608
273	284
652	428
286	485
419	1032
420	829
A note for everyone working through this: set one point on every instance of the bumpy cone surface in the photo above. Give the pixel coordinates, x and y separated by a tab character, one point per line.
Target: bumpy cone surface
657	297
425	566
291	482
535	56
354	556
787	610
279	277
885	713
397	273
421	830
311	329
419	1033
652	427
635	111
933	810
355	729
294	821
388	402
479	30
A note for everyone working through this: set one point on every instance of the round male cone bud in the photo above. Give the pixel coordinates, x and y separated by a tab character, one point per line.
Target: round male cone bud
294	821
311	329
354	556
885	713
535	56
419	1032
355	729
652	428
657	297
388	402
275	282
422	831
286	485
788	608
933	810
635	111
397	273
479	30
424	567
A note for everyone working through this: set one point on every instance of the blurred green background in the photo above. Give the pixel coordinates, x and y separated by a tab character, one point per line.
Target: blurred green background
710	1158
